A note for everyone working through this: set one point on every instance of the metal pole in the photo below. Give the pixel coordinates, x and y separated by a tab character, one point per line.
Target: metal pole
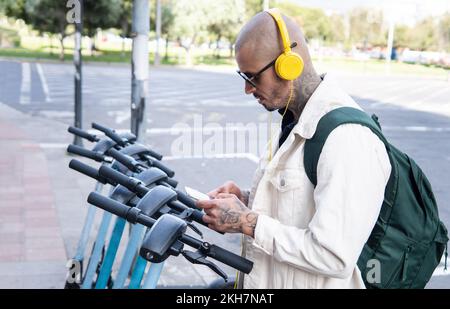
158	32
77	60
139	65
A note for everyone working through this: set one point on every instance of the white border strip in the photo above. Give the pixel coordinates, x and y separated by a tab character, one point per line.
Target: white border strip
25	88
43	82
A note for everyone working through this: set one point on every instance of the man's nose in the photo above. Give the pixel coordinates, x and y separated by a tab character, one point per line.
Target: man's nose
249	88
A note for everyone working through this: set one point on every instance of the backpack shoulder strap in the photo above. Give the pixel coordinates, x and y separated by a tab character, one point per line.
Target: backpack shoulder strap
333	119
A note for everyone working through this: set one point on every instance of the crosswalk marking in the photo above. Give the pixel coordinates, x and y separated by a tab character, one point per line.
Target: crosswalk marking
43	82
25	89
202	91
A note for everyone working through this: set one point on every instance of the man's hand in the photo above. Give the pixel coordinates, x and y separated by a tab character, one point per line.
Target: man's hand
226	213
231	188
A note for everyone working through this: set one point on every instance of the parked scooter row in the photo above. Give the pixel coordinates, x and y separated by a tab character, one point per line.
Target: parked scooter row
142	192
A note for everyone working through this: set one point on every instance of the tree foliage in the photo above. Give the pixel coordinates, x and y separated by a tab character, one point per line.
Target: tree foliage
192	22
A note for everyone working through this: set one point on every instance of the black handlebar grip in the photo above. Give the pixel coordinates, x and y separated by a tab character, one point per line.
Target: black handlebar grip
230	259
197	216
108	204
162	167
83	134
87	170
85	153
128	161
100	127
172	182
110	133
154	154
186	199
131	214
114	175
131	184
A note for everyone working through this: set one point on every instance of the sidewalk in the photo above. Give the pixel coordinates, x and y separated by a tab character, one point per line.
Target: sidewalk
32	251
43	207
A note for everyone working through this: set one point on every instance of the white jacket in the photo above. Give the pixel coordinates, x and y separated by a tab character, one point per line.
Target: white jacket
310	237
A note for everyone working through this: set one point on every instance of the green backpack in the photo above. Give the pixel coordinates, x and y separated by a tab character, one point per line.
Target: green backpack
408	240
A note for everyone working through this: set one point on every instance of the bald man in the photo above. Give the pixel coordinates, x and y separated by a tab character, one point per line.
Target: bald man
298	235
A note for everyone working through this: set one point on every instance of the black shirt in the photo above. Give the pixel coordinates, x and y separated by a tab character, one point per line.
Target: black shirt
287	124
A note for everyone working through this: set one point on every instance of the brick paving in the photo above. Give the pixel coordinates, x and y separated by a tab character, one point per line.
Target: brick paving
32	250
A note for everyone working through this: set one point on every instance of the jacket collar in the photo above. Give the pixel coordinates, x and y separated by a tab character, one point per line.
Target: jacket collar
325	98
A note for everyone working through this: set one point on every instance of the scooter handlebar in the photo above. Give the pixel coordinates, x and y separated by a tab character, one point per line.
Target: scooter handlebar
110	133
83	134
87	170
86	153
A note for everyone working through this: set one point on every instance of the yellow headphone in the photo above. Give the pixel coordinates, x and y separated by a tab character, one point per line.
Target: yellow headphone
289	65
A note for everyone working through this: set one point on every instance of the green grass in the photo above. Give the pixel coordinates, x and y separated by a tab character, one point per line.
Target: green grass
26	53
110	56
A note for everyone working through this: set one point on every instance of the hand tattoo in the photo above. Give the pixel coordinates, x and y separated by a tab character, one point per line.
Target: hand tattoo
232	216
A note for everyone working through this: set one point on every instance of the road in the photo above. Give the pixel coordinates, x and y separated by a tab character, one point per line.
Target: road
413	111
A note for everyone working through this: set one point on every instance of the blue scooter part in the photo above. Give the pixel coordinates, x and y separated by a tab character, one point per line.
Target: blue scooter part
89	221
157	249
138	273
154	201
103	146
84	237
97	251
106	268
136	236
149	204
123	195
152	278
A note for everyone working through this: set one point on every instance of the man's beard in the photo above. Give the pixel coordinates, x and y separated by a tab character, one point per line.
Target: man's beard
269	109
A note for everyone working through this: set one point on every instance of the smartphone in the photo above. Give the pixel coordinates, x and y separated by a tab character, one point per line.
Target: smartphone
196	195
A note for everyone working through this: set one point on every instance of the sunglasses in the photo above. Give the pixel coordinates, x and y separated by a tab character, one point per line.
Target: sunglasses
251	78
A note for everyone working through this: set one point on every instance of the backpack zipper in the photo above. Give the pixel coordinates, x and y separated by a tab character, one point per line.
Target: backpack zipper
405	263
446	255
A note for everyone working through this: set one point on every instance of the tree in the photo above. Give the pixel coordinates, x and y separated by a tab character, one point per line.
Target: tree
313	22
444	32
226	19
101	14
424	35
337	29
167	22
428	34
49	16
43	15
190	22
402	37
252	7
14	9
366	27
124	21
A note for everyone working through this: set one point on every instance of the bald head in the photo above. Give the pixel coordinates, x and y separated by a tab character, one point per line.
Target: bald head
261	38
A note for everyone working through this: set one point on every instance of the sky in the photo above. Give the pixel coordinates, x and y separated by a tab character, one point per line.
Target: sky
402	11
